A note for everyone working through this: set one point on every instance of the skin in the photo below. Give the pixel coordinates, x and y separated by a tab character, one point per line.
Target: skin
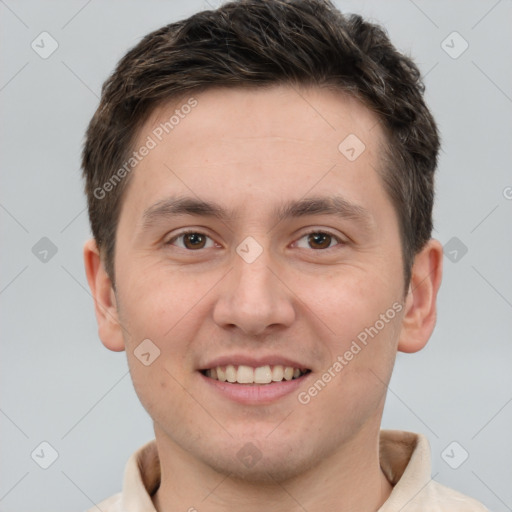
250	151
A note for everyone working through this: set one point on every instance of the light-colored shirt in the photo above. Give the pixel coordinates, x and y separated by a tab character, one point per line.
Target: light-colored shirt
404	459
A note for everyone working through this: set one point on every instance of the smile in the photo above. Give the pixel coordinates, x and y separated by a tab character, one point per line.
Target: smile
242	374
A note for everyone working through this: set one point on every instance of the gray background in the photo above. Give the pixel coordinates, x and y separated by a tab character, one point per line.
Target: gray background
60	385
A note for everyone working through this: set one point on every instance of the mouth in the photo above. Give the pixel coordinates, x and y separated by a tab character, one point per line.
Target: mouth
261	375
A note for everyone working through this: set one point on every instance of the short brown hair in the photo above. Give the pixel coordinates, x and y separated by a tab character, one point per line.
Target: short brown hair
260	43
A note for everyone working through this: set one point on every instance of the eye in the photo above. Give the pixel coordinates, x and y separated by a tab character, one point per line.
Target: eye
319	240
191	240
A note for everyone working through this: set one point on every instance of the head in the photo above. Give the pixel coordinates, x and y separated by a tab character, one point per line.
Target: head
253	44
247	125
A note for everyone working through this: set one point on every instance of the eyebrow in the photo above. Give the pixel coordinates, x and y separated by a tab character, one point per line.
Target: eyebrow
333	205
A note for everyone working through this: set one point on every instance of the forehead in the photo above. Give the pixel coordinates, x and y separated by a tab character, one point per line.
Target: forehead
322	114
271	141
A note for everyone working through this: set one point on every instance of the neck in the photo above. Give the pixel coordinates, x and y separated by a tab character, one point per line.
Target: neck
349	480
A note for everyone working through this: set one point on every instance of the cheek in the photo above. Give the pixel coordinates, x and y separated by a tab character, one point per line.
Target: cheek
160	392
156	303
363	314
161	310
352	386
353	299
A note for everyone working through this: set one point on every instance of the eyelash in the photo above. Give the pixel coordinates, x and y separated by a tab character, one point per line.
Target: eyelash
322	232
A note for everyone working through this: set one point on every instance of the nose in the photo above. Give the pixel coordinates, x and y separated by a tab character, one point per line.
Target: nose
254	297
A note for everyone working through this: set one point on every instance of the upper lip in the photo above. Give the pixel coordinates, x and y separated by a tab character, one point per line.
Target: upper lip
255	362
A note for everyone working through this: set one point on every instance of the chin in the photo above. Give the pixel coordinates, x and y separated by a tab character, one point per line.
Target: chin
266	466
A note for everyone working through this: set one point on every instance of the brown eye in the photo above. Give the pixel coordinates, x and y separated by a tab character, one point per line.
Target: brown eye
194	240
191	241
319	240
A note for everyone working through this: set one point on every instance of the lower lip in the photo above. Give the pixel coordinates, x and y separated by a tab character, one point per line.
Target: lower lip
253	394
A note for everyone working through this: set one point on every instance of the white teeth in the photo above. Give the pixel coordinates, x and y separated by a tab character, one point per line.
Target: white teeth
230	373
248	375
277	373
221	374
262	375
245	375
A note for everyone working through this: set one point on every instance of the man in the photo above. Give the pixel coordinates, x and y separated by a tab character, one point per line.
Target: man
260	190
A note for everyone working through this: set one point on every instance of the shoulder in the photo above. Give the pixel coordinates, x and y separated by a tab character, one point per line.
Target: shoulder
406	461
439	498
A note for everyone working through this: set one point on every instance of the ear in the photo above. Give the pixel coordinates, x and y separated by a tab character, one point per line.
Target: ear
419	318
109	328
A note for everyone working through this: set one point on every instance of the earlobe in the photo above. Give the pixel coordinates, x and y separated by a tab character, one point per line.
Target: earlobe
420	306
109	328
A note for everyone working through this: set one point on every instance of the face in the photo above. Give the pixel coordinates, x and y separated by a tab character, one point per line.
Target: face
256	242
